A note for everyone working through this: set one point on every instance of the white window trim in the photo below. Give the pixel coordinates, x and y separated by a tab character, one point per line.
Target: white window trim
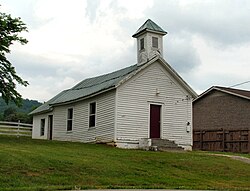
67	119
154	37
142	49
42	135
92	127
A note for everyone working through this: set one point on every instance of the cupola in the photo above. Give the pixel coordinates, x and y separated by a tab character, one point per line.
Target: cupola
149	41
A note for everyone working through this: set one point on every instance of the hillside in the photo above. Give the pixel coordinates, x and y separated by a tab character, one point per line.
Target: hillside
28	106
28	164
13	113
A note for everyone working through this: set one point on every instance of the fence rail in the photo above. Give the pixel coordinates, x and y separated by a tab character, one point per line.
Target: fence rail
222	140
15	128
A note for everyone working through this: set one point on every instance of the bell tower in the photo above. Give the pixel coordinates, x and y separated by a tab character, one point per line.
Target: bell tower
149	41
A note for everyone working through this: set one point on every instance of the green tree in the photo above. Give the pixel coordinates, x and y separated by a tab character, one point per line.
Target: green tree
1	117
10	28
9	111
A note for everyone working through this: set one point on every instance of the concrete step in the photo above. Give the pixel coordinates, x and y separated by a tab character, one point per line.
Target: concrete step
178	149
164	144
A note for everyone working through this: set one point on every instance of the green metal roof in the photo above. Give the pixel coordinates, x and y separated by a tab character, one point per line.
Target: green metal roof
100	84
149	25
87	87
46	106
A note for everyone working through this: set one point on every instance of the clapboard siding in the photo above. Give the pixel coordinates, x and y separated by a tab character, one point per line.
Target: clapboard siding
178	114
36	129
133	104
105	112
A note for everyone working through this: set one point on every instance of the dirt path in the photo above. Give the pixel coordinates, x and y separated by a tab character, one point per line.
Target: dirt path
240	158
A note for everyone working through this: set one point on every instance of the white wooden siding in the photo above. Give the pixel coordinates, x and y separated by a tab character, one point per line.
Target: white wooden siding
149	51
133	102
105	114
36	131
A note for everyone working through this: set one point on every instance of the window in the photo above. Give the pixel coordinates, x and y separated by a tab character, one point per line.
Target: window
70	119
92	114
142	44
42	127
155	42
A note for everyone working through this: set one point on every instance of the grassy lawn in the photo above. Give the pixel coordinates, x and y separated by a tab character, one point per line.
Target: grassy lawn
27	164
229	153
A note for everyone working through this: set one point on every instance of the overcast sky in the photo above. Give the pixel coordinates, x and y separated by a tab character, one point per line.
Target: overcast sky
208	41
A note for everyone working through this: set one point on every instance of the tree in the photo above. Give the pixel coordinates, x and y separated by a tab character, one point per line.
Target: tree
10	28
11	114
9	111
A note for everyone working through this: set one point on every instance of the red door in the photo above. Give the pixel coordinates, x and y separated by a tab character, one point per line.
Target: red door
155	121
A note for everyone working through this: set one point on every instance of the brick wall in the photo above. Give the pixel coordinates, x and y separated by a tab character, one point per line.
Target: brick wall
220	110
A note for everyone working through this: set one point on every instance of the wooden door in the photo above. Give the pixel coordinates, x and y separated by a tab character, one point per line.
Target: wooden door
155	121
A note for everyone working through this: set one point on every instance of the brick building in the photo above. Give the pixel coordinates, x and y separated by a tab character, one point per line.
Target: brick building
222	108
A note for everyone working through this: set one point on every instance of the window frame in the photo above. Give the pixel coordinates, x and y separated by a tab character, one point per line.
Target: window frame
92	115
142	44
155	42
70	114
42	127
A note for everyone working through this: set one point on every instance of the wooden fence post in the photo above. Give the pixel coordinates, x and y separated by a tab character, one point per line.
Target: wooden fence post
201	140
223	140
240	145
248	143
18	128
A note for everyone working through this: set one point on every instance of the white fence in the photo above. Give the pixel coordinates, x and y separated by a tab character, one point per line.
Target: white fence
15	128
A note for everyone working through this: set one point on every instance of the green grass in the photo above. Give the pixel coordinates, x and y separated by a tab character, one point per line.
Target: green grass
27	164
229	153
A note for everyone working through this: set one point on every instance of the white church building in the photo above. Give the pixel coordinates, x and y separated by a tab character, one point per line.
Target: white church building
144	101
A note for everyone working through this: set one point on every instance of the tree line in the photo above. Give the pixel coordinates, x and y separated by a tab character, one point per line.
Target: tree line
10	112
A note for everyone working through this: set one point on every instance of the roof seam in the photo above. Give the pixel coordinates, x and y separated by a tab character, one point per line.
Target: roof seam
101	82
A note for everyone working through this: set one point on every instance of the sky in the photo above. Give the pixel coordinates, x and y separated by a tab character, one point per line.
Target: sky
208	41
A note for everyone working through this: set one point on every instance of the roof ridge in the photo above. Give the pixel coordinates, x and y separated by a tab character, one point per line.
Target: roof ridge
101	81
232	91
239	92
232	88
